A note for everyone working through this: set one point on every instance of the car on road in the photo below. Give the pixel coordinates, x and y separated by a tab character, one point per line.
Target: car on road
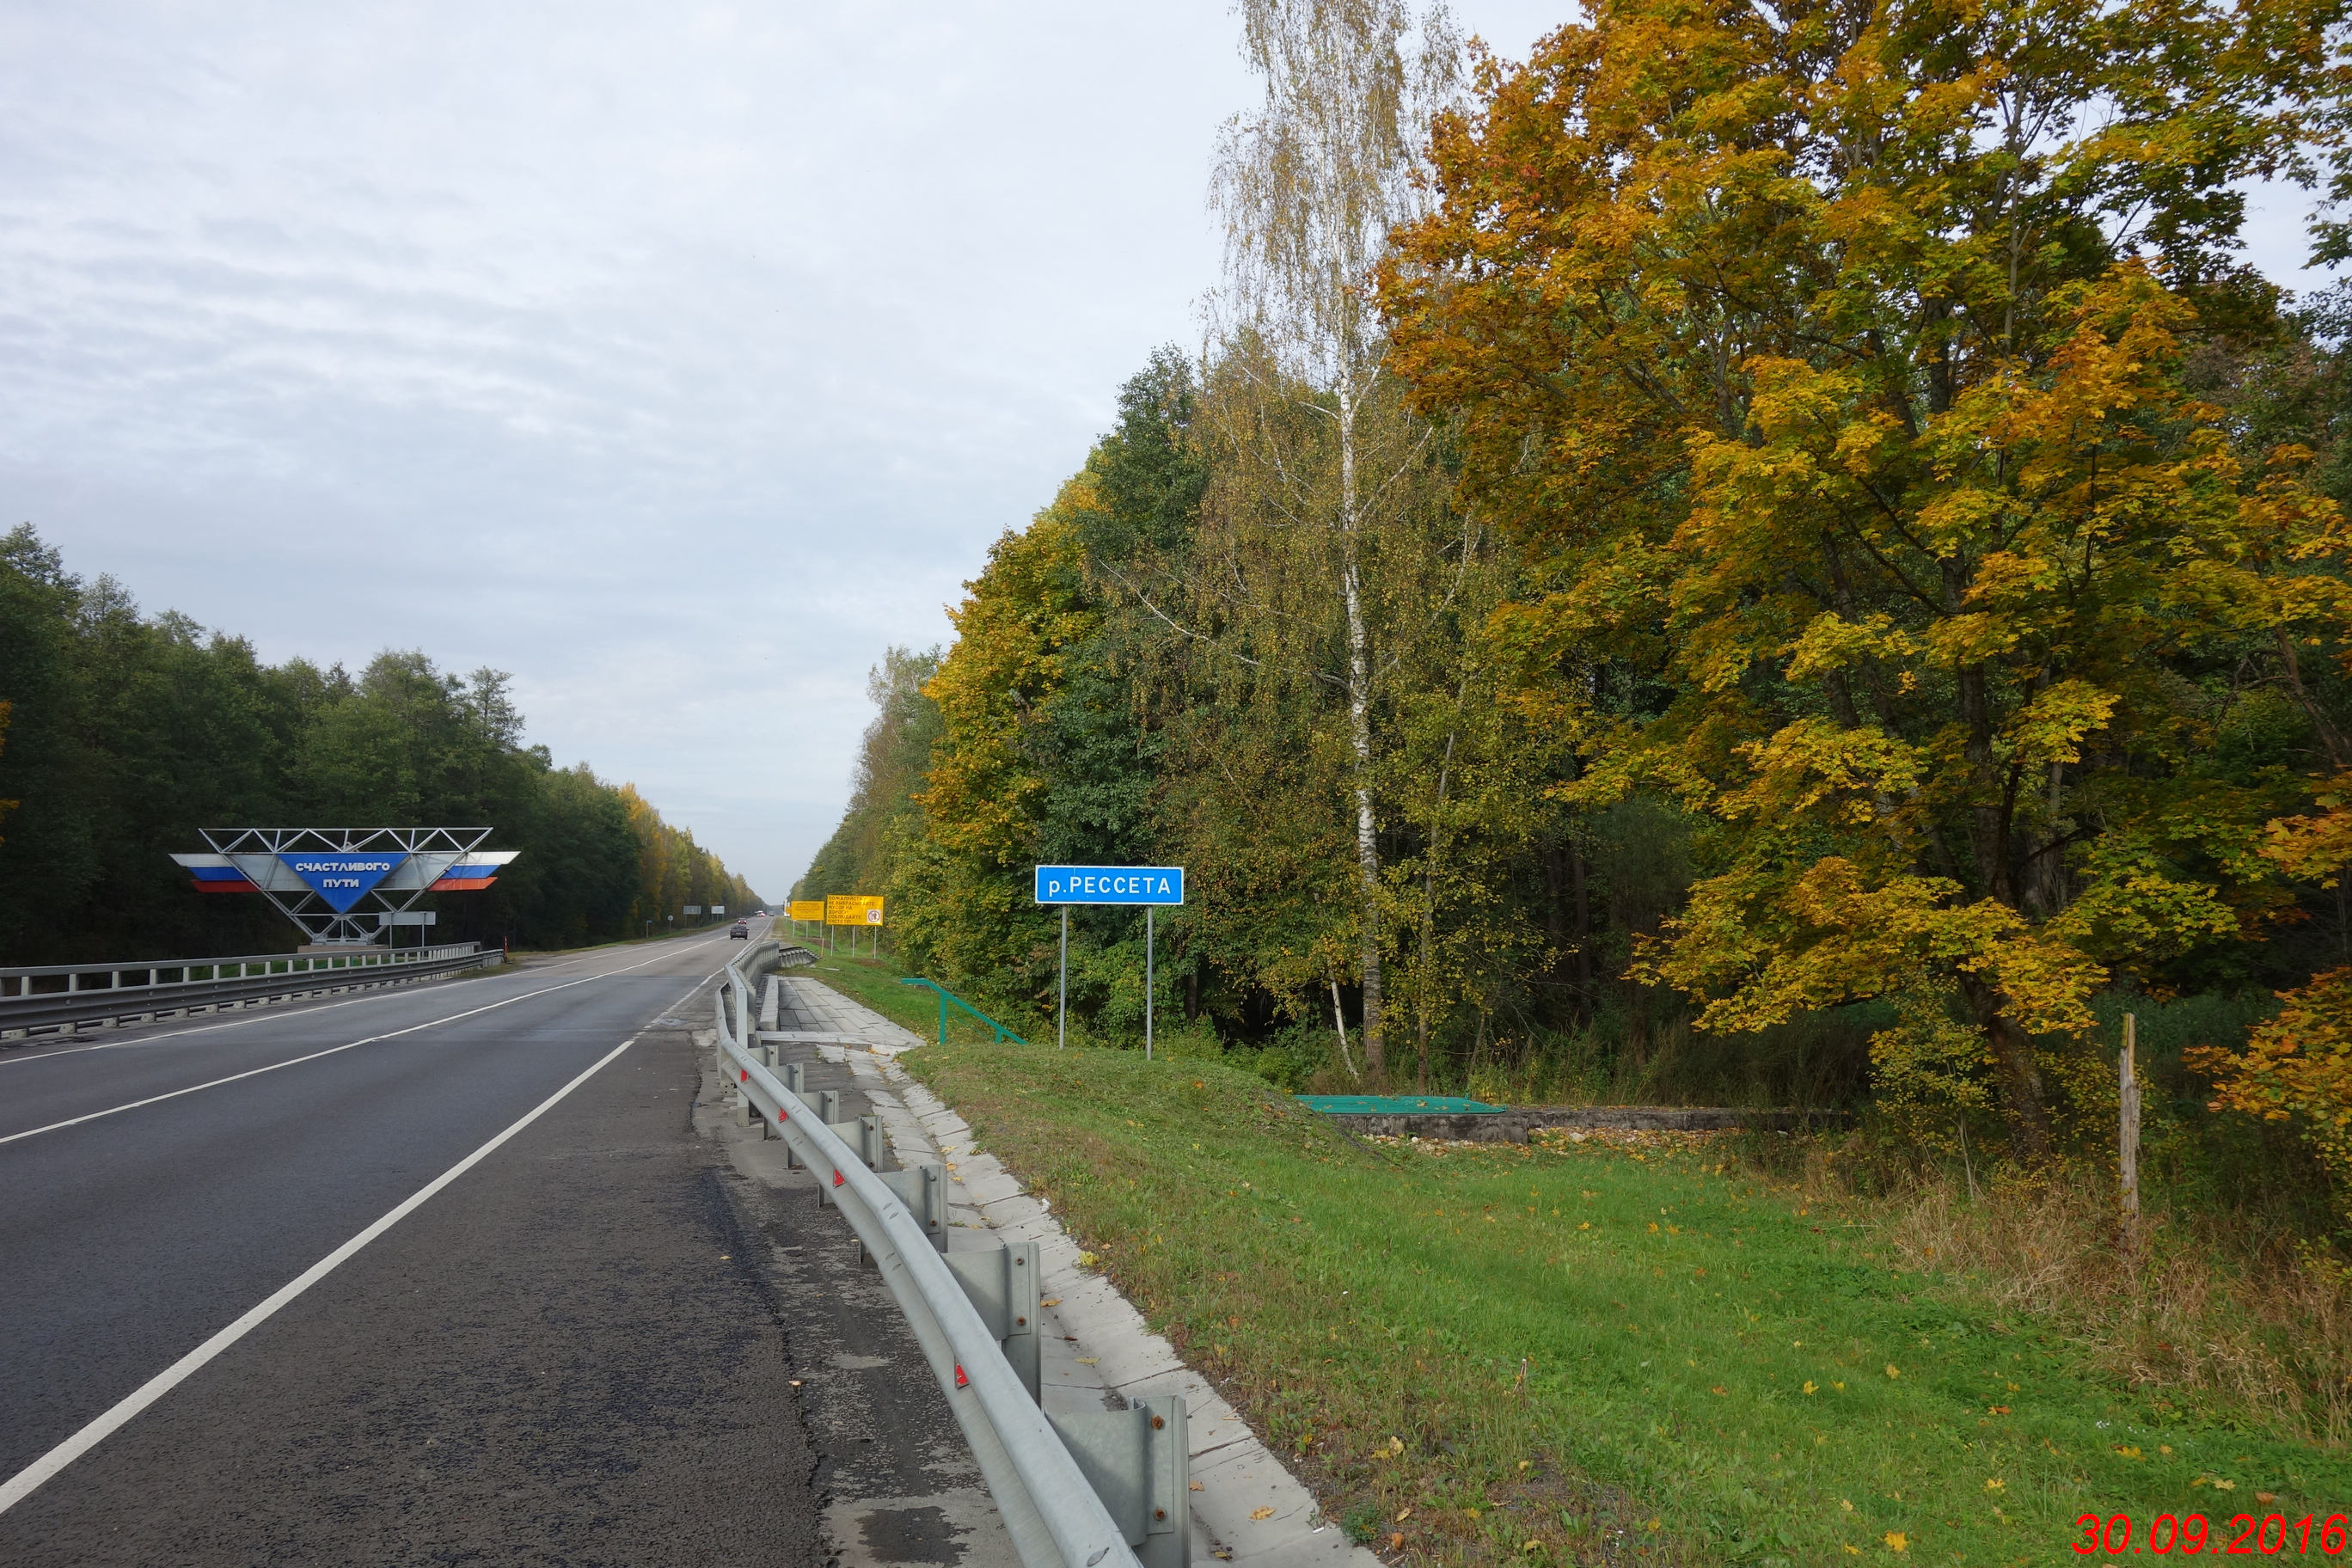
741	928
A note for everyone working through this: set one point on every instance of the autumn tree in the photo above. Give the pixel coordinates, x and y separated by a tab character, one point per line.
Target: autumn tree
1827	362
895	754
1309	186
961	884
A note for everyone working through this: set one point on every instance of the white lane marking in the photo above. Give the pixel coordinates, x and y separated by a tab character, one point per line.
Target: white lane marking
331	1050
384	993
22	1485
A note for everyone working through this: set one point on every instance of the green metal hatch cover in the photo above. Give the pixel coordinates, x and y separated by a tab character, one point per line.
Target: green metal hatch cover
1394	1104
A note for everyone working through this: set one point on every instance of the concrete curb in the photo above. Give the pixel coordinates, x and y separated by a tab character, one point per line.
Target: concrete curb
845	1022
1098	1353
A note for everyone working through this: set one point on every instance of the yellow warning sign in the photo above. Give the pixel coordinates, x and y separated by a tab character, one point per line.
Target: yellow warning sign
807	910
853	910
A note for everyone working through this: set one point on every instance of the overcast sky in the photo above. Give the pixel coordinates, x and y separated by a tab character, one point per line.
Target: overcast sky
676	359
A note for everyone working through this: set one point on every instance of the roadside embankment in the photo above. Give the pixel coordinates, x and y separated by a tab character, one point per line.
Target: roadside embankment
1575	1348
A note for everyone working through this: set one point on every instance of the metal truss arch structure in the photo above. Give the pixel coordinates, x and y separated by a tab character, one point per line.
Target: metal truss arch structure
342	886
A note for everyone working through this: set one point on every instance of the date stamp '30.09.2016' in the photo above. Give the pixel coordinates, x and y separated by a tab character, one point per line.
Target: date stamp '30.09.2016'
2240	1535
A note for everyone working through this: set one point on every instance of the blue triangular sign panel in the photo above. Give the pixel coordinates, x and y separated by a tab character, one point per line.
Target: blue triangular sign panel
341	878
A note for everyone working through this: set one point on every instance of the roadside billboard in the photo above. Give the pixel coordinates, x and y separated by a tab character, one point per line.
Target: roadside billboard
806	910
853	910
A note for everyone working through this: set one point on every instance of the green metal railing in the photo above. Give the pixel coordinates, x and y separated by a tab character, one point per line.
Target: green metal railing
946	996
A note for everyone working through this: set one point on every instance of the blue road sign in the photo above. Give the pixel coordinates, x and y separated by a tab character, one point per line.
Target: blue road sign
1110	884
340	877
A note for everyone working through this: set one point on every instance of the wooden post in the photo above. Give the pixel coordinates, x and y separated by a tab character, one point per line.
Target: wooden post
2127	1139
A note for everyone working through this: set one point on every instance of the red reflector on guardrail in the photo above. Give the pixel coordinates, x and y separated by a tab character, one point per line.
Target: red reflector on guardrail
836	1178
961	1381
743	1077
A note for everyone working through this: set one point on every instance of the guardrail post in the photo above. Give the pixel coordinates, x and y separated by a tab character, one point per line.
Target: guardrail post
743	1101
1139	1461
828	1110
795	1080
1003	1288
922	1188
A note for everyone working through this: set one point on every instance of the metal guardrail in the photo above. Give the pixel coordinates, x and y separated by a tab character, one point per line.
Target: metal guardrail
1108	1491
946	996
65	995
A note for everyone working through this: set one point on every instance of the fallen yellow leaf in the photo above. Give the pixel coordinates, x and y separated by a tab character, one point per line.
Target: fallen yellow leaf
1895	1542
1405	1515
1089	1359
1893	1371
1051	1301
1261	1513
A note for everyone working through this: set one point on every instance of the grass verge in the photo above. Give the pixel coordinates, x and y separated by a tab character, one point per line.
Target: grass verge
874	979
1586	1351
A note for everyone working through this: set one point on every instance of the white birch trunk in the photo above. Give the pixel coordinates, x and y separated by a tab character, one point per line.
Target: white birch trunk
1360	733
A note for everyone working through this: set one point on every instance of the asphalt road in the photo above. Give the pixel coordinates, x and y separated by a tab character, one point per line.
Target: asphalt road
565	1355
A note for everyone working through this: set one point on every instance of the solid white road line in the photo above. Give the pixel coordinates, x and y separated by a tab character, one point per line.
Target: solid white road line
331	1050
380	993
24	1482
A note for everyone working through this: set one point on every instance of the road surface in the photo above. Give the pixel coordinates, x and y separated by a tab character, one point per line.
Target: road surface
568	1345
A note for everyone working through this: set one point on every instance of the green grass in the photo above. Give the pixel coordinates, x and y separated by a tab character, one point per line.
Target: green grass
873	979
1655	1349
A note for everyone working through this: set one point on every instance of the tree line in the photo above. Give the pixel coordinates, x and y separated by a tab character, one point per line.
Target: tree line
123	733
1782	553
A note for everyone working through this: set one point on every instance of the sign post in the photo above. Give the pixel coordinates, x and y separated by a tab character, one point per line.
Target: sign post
1150	886
855	910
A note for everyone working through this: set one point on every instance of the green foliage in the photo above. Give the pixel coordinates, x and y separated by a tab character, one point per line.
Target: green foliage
1931	1066
890	766
128	733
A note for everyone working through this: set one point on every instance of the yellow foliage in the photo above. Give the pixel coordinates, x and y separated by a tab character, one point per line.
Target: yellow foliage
2297	1069
958	885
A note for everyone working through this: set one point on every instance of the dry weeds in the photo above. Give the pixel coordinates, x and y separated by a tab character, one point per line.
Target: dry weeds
2200	1313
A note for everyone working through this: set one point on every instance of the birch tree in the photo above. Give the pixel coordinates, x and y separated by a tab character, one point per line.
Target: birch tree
1309	186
